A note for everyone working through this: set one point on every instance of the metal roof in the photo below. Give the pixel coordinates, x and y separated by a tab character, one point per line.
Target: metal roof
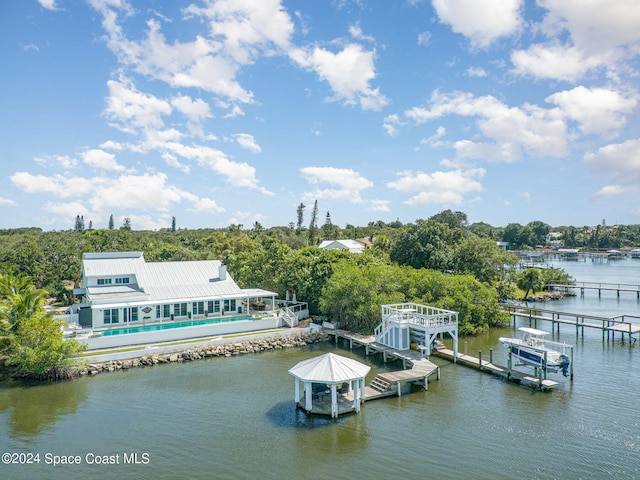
163	281
329	368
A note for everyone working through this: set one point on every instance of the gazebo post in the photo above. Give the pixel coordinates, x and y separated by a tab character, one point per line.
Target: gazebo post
334	401
308	396
297	390
363	391
356	394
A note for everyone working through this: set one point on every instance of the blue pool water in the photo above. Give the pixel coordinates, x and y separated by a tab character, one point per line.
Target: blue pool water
166	326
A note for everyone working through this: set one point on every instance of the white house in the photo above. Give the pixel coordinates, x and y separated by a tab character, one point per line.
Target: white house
351	245
121	288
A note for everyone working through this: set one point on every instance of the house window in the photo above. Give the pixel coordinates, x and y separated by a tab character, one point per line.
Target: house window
180	309
157	311
122	280
166	310
198	308
230	305
111	315
104	281
213	306
134	314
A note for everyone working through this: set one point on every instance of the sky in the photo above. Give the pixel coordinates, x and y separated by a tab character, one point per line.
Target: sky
221	112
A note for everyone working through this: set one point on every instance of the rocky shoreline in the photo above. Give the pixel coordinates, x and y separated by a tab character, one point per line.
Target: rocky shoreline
549	296
204	351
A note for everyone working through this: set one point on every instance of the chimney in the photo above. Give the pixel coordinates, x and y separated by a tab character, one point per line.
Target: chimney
222	272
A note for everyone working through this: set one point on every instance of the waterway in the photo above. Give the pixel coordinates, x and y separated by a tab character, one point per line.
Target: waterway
228	418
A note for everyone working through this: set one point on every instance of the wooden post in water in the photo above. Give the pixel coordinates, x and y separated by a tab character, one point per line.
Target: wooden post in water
509	363
480	360
571	364
491	355
545	365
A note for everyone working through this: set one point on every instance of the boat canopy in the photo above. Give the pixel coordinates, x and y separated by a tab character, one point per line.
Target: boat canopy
533	331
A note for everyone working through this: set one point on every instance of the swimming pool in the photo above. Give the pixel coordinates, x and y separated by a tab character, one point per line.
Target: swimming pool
166	326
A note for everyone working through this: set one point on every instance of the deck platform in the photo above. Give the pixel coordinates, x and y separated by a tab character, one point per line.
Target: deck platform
417	369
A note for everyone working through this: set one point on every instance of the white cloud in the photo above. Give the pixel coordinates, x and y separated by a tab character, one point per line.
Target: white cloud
554	61
596	26
58	185
48	4
207	205
129	109
477	72
31	47
379	206
482	21
195	110
619	161
349	183
439	187
97	158
510	130
247	142
147	222
597	110
7	202
391	124
348	73
599	34
356	32
434	140
424	39
67	210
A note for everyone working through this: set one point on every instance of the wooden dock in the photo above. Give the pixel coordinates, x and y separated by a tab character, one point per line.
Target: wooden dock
497	370
623	324
600	287
417	369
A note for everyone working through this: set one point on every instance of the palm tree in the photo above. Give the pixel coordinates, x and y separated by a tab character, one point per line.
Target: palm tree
529	280
19	300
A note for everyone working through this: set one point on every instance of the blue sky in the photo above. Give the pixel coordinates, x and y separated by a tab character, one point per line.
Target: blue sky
236	111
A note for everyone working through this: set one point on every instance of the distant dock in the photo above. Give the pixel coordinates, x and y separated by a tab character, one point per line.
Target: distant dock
600	287
623	324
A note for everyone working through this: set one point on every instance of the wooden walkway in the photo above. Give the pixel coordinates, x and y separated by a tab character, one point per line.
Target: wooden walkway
623	324
497	370
417	369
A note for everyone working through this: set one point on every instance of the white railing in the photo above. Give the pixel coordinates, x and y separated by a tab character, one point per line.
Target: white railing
69	318
287	315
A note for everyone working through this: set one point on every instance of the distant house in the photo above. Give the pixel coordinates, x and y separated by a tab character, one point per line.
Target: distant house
122	289
353	246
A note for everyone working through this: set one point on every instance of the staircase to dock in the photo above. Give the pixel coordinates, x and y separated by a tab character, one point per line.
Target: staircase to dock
379	387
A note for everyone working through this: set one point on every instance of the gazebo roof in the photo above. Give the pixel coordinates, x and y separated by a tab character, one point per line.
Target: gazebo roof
329	368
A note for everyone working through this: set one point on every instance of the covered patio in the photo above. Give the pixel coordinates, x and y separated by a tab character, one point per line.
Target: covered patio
331	384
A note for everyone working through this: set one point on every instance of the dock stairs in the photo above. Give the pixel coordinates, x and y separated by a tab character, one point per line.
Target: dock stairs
380	385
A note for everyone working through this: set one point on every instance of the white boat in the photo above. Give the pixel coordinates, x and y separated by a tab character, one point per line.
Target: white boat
532	349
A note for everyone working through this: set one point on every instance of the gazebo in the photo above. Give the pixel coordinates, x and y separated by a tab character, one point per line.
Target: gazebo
332	384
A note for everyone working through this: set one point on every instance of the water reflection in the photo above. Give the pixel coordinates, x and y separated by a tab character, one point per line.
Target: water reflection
31	409
325	435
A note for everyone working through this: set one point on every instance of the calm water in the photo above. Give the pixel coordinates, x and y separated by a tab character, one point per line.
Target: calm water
235	418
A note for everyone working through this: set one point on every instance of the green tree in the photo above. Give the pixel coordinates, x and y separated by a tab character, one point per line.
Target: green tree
300	214
313	224
482	258
126	224
451	219
427	244
173	224
111	223
529	280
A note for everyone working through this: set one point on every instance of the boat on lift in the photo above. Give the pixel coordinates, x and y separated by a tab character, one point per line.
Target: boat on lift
532	349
